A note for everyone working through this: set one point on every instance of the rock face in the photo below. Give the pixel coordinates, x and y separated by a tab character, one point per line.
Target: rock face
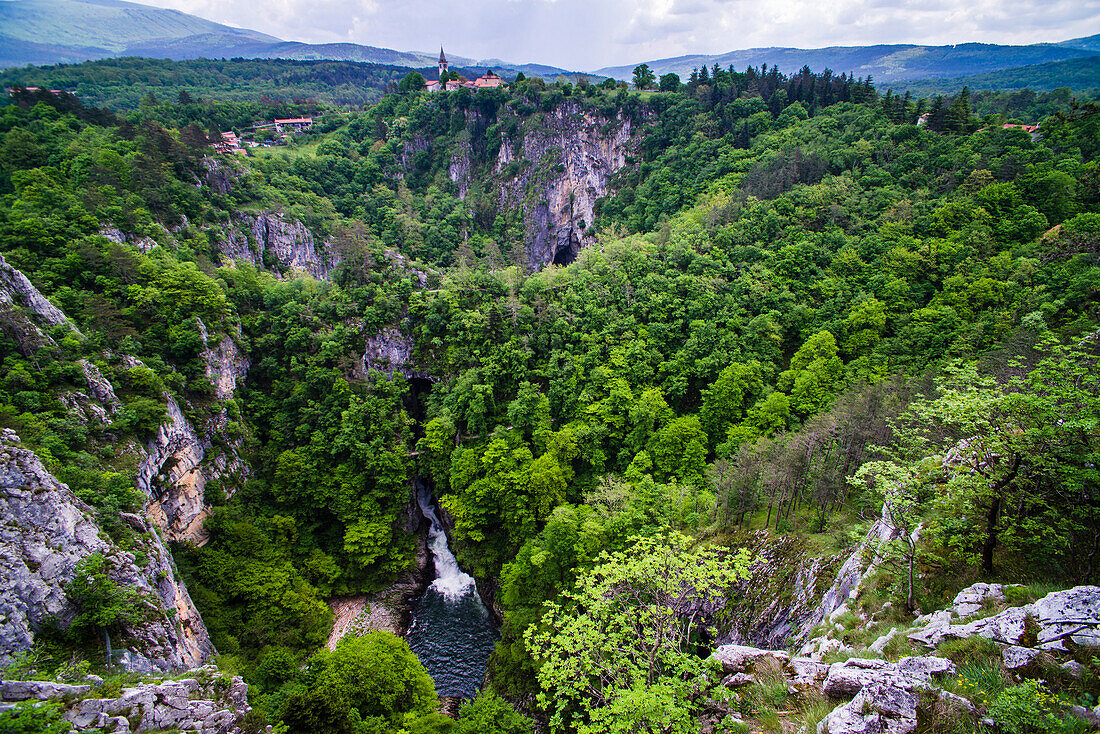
25	312
390	351
18	289
207	701
787	594
46	530
285	241
566	165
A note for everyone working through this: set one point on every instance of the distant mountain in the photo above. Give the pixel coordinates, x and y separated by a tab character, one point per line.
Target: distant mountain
1077	74
888	63
44	32
1091	42
51	31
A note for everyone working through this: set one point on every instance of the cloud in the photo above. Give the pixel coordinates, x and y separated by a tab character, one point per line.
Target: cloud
587	34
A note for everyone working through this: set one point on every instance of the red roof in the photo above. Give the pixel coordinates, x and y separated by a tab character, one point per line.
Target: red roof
292	120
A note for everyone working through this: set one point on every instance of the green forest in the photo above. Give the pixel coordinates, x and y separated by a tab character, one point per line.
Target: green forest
798	306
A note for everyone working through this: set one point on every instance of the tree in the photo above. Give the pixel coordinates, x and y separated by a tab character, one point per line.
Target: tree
412	82
618	654
643	77
1012	464
103	602
374	678
670	82
491	714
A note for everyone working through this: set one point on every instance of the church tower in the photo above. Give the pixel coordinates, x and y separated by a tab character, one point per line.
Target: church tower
442	63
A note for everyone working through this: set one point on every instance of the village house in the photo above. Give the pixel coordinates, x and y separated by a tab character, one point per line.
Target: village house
1032	130
229	143
296	124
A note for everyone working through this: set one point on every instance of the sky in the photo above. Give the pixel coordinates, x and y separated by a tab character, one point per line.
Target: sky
585	35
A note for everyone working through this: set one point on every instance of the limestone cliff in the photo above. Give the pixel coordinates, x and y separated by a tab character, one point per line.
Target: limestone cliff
566	165
179	462
274	239
45	530
790	592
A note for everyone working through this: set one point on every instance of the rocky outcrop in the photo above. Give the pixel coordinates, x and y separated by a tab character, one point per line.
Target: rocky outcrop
788	593
178	462
18	289
885	696
45	531
207	701
782	592
275	238
567	163
25	312
220	176
1073	614
224	361
390	351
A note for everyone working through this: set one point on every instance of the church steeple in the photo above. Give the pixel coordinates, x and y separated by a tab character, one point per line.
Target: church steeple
442	62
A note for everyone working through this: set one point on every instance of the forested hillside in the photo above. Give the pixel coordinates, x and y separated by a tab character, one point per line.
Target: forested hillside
792	312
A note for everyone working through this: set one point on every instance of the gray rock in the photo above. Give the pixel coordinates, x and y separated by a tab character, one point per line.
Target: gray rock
288	241
20	291
738	680
45	531
1073	613
909	674
576	144
878	708
390	351
39	690
742	658
806	672
971	600
880	644
1018	657
1074	669
211	703
98	385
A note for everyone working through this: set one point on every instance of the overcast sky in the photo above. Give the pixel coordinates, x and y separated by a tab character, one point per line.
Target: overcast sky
587	34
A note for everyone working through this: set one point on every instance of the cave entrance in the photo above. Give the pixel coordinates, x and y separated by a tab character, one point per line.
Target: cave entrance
565	255
419	387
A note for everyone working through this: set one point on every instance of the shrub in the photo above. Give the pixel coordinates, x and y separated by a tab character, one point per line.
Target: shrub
1029	708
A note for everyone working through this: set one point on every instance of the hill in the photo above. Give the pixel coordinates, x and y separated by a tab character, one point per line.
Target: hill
37	31
45	32
1077	74
886	63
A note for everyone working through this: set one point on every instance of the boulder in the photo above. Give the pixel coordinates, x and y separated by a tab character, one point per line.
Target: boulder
39	690
1015	657
738	680
972	599
851	676
806	672
742	658
1073	613
878	708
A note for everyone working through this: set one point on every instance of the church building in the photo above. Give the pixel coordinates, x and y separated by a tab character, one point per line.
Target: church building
488	80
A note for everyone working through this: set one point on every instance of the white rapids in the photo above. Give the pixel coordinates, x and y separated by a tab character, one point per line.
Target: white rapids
450	580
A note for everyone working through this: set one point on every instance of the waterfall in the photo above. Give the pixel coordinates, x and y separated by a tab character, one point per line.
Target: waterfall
450	580
452	633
